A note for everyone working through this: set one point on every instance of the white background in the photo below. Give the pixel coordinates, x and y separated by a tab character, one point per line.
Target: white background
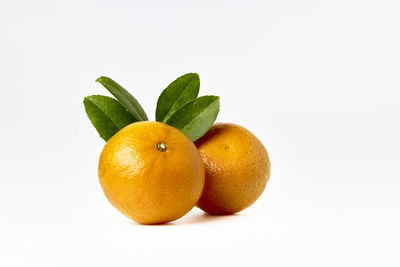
316	81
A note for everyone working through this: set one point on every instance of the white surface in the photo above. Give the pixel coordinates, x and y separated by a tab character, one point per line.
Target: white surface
316	81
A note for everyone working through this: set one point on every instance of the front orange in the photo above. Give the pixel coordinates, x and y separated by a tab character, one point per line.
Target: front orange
151	172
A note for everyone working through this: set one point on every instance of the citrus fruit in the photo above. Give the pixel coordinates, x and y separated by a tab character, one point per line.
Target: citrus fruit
151	172
237	168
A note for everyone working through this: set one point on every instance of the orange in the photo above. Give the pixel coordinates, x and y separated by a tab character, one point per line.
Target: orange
237	168
151	172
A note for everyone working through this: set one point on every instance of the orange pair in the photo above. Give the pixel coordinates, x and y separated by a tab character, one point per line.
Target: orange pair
153	173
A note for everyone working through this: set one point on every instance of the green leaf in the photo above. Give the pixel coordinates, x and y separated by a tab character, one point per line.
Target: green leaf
196	117
124	97
107	115
176	95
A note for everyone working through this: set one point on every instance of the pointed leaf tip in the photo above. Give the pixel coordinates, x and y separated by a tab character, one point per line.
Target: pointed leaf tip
177	94
107	115
124	97
196	117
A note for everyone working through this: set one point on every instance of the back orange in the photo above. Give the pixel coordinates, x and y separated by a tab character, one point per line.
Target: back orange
151	172
237	168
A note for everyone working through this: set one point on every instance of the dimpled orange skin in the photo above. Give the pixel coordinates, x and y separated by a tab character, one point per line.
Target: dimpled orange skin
237	168
148	185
